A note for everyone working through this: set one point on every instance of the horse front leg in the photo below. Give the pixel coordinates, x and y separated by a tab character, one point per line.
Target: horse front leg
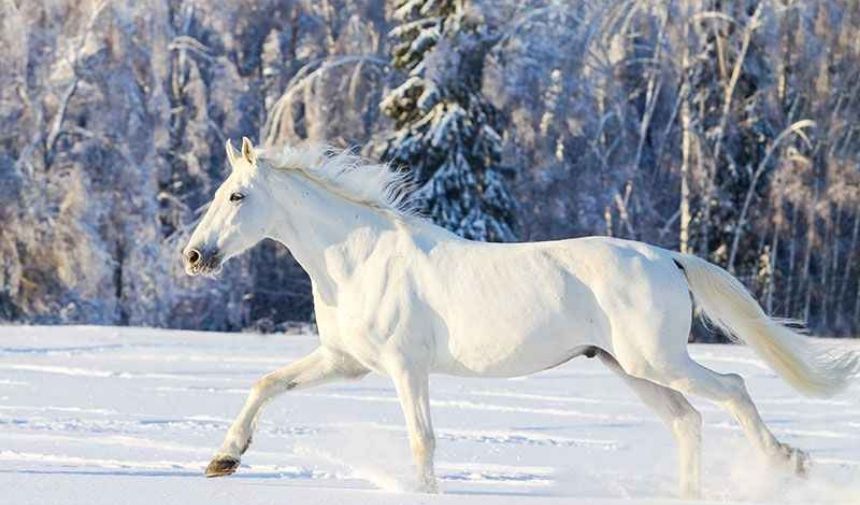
319	367
413	390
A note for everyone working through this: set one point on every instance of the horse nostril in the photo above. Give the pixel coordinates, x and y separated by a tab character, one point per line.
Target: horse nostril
193	257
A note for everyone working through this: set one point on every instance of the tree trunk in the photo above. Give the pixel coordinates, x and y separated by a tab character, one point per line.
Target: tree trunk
686	141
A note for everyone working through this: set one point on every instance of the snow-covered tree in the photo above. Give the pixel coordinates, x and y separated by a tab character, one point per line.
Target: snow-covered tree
446	132
724	128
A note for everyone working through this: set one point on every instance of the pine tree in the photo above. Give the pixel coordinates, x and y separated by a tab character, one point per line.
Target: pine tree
446	132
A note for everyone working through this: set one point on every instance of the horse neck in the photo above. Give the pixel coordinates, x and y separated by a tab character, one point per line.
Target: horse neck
327	234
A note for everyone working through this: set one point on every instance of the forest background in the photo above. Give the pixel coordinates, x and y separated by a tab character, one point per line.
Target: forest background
728	129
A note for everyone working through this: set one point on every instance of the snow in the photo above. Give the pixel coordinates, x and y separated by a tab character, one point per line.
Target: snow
129	415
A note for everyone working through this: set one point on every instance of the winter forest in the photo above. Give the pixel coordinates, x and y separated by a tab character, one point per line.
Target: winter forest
728	129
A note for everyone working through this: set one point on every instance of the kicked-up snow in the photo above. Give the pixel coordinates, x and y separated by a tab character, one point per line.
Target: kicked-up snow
128	415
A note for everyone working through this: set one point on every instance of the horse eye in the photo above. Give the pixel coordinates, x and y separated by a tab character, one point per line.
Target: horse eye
236	197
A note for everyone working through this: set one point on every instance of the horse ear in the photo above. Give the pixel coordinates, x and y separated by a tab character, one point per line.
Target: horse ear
231	153
248	151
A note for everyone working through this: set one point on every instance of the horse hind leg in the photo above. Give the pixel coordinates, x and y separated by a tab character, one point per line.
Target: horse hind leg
729	391
683	420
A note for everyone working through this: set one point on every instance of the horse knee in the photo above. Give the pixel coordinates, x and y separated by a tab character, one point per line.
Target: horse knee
689	424
263	386
694	418
271	384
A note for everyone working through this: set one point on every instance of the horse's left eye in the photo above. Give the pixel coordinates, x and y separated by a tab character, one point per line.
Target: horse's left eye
236	197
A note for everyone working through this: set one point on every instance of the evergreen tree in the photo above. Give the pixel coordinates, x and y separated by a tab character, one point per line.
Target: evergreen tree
446	132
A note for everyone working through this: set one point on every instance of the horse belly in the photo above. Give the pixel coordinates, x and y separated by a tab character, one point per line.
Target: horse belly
509	356
506	333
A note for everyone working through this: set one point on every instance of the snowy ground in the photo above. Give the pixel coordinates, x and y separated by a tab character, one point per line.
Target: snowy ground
126	416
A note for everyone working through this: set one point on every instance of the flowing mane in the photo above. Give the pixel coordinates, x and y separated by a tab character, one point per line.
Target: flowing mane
346	174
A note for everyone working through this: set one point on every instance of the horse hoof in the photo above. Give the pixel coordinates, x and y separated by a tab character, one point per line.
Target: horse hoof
690	492
800	462
429	487
222	466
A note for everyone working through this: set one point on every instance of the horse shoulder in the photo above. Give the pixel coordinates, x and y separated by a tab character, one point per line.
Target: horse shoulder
375	305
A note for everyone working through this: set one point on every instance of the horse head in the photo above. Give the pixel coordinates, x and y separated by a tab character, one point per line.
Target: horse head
236	219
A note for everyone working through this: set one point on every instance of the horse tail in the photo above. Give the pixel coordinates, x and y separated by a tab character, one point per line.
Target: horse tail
811	368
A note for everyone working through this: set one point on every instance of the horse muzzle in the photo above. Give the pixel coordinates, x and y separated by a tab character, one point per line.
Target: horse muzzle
201	260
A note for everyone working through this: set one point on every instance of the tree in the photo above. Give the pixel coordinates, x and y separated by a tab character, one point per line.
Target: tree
446	132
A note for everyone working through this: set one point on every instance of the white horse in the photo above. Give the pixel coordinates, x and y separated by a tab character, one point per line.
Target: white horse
397	295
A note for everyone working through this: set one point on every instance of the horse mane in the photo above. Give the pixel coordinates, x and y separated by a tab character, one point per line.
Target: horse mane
347	174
